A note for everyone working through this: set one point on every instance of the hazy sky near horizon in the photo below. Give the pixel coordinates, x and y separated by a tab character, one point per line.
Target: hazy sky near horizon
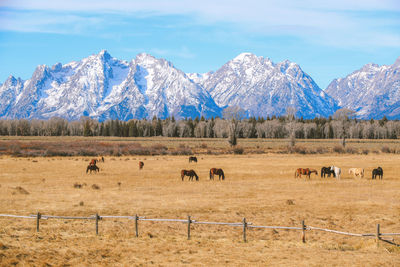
328	39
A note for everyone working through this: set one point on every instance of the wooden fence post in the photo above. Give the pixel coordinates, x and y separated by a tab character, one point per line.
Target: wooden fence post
97	223
38	216
136	225
303	235
378	234
244	229
188	233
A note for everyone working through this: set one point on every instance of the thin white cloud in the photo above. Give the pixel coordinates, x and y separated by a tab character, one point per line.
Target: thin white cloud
337	23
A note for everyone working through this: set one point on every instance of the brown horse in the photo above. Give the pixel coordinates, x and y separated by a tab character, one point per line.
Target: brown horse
304	171
192	159
190	173
218	172
91	168
141	164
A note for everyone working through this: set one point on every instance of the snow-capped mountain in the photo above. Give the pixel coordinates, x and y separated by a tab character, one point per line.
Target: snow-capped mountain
372	91
262	88
104	87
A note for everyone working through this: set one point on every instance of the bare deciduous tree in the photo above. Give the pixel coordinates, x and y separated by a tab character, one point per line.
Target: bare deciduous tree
234	114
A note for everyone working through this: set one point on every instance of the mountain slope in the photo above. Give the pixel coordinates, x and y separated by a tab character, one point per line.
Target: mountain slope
263	88
104	87
372	91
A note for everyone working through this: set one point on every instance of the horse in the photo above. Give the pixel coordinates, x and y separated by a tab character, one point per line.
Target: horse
141	164
92	167
327	171
192	159
190	173
377	172
218	172
337	171
357	172
304	171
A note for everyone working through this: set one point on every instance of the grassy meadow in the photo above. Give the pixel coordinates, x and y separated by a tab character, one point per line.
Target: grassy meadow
259	185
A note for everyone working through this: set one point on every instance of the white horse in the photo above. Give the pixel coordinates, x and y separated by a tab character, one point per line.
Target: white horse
357	172
337	171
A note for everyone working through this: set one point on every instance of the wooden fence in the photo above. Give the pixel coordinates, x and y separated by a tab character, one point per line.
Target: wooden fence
244	224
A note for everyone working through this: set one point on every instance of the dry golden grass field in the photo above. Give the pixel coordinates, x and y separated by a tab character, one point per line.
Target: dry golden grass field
260	187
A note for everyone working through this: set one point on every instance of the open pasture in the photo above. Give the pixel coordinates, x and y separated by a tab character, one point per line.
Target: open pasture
260	187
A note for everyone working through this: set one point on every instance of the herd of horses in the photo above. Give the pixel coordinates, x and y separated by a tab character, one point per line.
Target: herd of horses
325	171
190	173
336	172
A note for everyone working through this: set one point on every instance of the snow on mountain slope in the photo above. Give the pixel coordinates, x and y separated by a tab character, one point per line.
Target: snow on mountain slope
263	88
104	87
372	91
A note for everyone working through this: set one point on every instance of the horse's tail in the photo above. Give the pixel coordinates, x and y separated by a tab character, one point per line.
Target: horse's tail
210	174
322	170
223	175
87	169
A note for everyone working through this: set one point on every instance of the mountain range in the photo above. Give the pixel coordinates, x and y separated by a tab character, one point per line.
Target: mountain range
103	87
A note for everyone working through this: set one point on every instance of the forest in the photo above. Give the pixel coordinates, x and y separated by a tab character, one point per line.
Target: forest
270	127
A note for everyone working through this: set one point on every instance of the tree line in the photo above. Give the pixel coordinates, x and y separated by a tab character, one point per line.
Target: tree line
270	127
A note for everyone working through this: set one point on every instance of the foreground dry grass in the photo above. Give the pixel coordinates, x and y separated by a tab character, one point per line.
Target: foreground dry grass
257	187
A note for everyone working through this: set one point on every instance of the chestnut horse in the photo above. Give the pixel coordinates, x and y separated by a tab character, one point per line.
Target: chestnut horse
218	172
92	167
304	171
141	164
189	173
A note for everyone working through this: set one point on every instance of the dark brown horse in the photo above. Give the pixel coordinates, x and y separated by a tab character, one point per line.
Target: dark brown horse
141	164
218	172
192	159
377	172
91	168
190	173
304	171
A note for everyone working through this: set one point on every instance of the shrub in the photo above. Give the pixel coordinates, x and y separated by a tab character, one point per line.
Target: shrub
365	151
386	149
238	150
338	149
351	150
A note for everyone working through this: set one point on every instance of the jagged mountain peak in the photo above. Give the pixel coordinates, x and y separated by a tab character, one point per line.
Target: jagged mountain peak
263	88
372	91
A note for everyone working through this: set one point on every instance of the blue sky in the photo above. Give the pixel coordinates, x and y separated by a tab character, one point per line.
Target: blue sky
328	39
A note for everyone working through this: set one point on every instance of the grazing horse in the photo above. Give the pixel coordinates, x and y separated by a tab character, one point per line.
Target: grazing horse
218	172
327	171
92	167
192	159
189	173
377	172
304	171
141	164
357	172
337	171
